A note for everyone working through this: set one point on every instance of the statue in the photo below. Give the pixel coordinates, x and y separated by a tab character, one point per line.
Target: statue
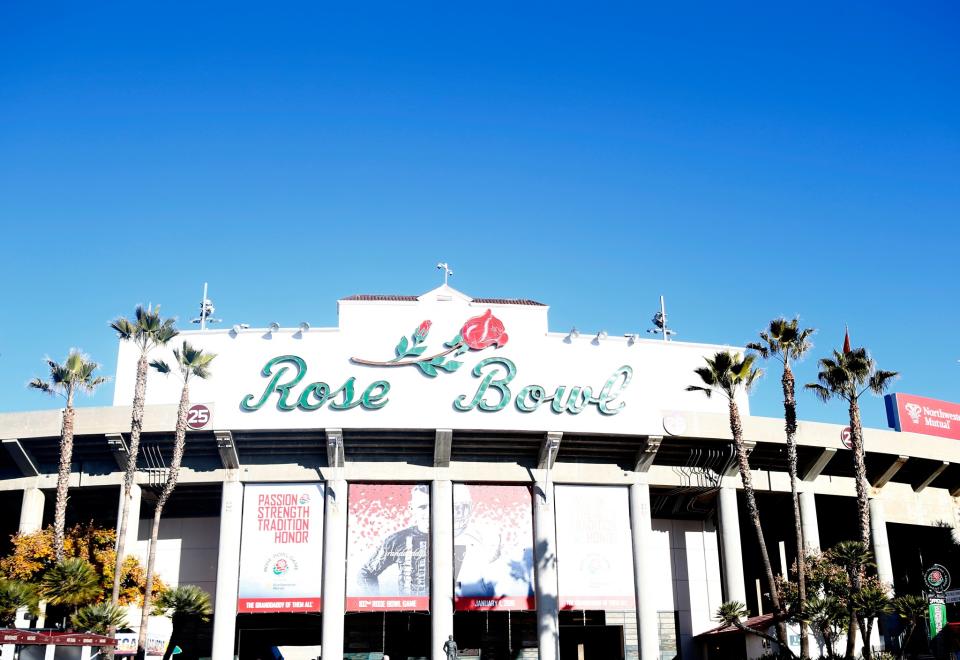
450	648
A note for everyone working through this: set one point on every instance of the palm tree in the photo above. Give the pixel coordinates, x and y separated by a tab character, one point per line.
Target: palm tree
871	602
100	619
728	374
785	341
847	375
190	362
911	609
66	379
13	596
853	557
186	606
73	582
732	614
147	332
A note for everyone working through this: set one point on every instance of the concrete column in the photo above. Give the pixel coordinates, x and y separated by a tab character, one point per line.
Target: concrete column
31	520
31	510
133	519
334	567
731	554
441	564
545	555
881	546
647	626
228	571
808	521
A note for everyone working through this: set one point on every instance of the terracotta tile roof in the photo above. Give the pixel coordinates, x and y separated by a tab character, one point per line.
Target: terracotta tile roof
377	296
760	623
482	301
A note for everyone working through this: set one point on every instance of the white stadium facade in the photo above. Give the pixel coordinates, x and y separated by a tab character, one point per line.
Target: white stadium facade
439	465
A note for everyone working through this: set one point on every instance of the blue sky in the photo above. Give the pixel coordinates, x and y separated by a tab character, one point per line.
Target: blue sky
746	161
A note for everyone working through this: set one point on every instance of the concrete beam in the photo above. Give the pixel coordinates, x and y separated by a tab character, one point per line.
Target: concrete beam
118	447
20	456
549	449
826	454
228	449
734	467
441	447
955	492
335	455
882	480
647	453
933	475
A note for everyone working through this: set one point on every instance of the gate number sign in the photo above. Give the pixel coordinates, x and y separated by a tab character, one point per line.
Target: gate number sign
198	416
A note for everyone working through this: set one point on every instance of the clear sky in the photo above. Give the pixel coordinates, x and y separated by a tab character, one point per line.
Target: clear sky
747	160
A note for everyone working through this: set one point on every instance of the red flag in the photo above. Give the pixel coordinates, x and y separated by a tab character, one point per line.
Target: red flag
846	340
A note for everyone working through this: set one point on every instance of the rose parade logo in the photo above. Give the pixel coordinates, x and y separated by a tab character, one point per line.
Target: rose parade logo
494	392
280	564
304	499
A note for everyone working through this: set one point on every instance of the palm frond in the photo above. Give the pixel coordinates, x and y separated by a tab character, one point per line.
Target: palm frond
124	329
160	366
41	385
881	380
821	392
697	388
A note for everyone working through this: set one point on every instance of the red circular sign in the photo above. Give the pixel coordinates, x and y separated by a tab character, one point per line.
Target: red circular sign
198	416
845	437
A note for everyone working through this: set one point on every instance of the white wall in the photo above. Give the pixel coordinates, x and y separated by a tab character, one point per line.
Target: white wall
687	576
186	550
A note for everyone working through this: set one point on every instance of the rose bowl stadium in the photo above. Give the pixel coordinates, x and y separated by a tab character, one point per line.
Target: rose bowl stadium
441	465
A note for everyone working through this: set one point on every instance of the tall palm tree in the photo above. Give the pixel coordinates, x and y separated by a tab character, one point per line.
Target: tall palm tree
147	331
190	362
187	605
785	341
853	557
66	379
848	375
729	374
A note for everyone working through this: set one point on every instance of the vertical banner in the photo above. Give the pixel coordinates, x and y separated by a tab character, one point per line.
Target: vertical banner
493	547
594	548
281	553
388	547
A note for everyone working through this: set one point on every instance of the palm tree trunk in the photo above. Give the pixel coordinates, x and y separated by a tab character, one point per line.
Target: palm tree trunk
736	428
133	452
148	592
136	426
790	424
867	632
63	479
852	623
863	509
860	472
173	474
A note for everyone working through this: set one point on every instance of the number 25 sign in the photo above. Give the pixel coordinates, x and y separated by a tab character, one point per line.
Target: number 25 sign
198	416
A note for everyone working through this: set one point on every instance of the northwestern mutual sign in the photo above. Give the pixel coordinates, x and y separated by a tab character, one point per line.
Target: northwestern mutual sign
917	414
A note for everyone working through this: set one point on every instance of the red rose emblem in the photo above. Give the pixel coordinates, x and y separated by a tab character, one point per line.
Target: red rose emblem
482	331
422	330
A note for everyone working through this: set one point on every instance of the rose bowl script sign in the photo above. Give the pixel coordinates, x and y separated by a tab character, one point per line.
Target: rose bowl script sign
917	414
